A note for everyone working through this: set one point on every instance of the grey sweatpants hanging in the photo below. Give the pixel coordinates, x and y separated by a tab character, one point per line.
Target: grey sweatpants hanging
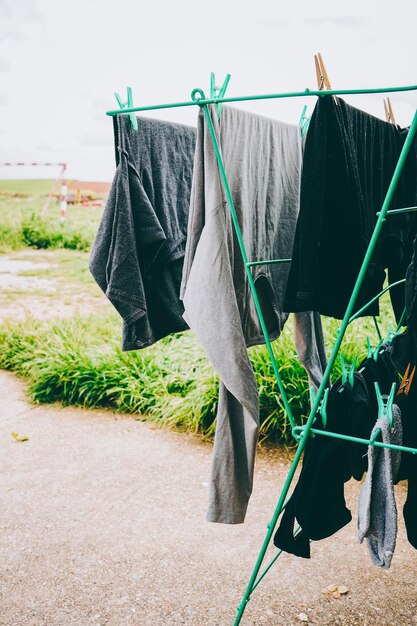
262	159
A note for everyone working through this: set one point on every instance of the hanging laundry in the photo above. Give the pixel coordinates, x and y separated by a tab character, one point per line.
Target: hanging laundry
404	355
411	287
408	467
377	512
317	502
138	253
349	160
262	159
309	343
405	346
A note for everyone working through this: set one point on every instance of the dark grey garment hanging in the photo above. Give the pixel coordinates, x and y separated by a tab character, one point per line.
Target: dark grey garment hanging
138	252
309	343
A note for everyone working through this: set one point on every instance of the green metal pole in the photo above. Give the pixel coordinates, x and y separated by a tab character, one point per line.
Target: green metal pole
245	260
332	358
401	322
271	96
396	211
368	304
378	332
278	554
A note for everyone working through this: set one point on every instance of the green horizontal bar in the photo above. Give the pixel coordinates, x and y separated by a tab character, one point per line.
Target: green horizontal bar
294	94
267	262
381	293
368	442
395	211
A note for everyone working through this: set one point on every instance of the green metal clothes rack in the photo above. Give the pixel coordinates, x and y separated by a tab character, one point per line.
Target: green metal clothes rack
300	433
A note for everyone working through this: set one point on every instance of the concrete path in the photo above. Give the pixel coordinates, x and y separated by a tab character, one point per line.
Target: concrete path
102	524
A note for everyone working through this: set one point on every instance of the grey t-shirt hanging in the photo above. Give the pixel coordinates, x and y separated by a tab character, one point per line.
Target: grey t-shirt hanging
263	164
138	252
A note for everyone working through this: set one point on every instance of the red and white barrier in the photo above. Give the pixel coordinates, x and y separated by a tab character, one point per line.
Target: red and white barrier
62	166
63	201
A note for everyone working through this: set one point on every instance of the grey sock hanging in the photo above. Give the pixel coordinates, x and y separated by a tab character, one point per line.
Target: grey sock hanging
377	519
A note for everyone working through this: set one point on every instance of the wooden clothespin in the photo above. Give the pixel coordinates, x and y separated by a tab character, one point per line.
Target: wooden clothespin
322	78
389	114
407	380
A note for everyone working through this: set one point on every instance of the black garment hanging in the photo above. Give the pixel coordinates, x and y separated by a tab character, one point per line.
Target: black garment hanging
403	352
349	160
318	502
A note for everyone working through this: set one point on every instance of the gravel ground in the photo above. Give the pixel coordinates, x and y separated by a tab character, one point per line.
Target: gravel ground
102	524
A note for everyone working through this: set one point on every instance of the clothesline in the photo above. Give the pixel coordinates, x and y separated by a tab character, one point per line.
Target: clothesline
202	100
316	403
301	433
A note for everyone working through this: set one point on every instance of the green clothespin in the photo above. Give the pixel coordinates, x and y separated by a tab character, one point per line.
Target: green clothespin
390	334
322	410
213	88
305	126
385	402
303	116
348	371
218	92
373	354
128	105
304	121
388	338
377	349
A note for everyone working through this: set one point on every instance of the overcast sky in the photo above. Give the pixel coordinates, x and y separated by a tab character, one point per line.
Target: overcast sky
60	63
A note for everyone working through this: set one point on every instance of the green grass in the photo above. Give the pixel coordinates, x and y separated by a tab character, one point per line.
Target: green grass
79	362
31	187
21	226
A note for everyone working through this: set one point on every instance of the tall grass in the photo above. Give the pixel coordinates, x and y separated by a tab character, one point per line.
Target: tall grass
76	363
10	237
79	362
38	233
